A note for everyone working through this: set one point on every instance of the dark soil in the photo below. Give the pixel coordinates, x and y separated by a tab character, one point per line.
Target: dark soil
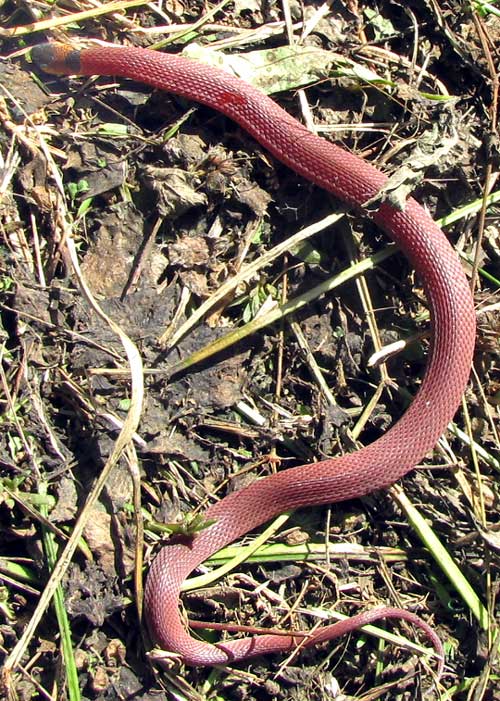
165	201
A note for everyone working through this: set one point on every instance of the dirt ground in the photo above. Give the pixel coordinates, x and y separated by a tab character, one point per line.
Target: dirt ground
123	210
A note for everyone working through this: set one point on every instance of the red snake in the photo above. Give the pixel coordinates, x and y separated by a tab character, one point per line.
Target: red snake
373	467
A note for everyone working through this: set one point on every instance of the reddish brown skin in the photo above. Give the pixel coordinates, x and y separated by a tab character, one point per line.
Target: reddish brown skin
373	467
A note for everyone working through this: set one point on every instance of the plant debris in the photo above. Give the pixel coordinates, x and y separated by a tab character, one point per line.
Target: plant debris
167	201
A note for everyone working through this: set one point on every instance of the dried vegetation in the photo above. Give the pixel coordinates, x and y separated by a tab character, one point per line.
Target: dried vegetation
158	351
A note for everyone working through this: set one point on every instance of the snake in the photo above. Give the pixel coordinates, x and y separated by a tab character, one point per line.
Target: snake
376	466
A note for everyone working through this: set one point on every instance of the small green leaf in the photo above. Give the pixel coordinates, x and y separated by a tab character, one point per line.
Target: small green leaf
381	26
306	253
84	207
113	129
